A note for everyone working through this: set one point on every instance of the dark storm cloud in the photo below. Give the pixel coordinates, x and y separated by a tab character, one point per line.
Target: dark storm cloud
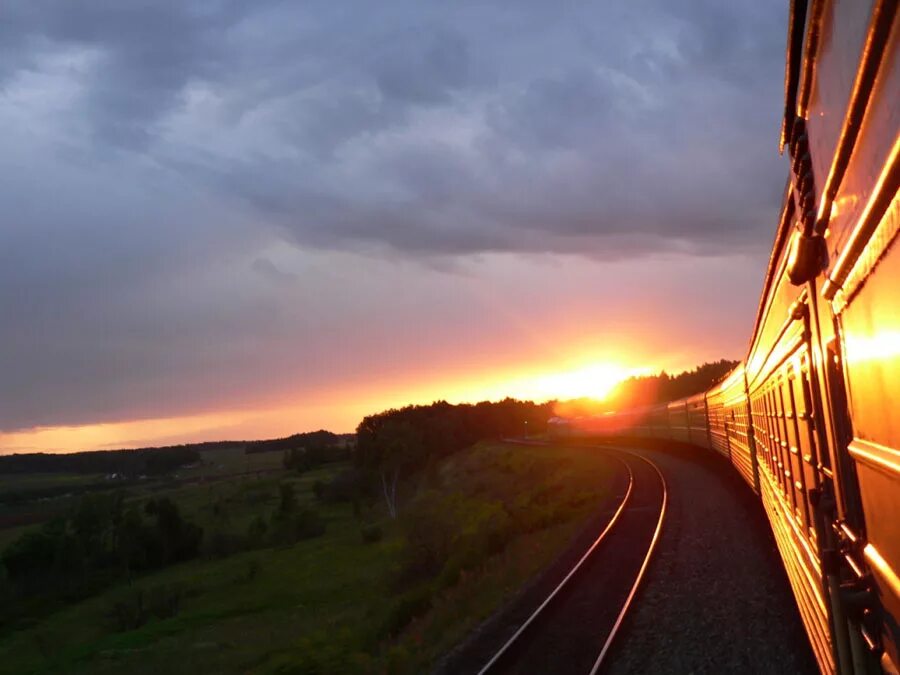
630	118
153	151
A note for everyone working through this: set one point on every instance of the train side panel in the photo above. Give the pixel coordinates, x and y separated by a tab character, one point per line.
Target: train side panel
697	420
872	362
853	124
789	470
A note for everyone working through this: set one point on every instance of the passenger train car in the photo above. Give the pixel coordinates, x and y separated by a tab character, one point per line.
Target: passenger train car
811	418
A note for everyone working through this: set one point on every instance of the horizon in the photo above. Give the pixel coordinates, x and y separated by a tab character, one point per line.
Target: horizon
207	435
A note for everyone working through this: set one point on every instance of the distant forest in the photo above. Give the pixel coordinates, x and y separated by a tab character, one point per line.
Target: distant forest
153	461
127	463
305	440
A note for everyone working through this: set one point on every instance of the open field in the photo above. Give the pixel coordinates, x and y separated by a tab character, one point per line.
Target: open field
31	498
495	515
37	481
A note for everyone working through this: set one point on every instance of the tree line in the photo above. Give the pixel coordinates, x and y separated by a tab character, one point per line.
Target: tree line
395	443
309	439
664	387
101	539
144	461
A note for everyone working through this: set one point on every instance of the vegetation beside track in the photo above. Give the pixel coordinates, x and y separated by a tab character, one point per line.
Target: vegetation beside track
365	594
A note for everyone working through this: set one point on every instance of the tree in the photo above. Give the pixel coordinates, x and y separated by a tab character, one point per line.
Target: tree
394	444
401	445
178	539
288	500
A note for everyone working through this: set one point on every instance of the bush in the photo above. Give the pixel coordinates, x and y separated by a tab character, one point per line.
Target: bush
5	585
250	572
287	503
371	533
321	653
223	544
304	524
178	539
430	528
133	609
256	532
346	486
318	488
407	607
445	534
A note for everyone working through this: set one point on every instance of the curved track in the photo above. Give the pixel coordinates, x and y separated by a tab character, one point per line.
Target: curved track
574	628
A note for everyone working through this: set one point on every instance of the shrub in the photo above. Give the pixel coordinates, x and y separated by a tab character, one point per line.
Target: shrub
318	488
399	661
287	502
178	539
407	607
430	528
371	533
5	584
256	532
223	544
304	524
250	572
133	609
445	534
346	486
321	653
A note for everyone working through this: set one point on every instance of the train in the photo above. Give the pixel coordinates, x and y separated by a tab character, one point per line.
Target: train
811	417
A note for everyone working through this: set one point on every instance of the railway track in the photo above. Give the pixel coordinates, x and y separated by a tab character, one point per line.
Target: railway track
575	626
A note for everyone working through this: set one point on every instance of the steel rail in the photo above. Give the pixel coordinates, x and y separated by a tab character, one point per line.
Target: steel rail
495	659
626	606
640	575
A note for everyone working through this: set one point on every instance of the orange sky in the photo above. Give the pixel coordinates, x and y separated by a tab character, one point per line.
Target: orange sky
575	377
574	332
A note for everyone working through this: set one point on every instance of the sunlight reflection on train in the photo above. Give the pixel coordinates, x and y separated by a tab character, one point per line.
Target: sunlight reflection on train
880	346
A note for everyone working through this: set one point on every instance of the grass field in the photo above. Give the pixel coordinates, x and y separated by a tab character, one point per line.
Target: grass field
215	466
332	604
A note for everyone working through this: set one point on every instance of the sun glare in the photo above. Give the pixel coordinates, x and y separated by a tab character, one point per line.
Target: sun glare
595	381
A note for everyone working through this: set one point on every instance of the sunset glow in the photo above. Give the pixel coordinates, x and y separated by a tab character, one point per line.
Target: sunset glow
340	412
594	381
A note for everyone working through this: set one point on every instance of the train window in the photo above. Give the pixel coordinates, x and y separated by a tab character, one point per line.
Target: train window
758	422
766	416
787	475
781	433
808	445
797	464
772	418
763	435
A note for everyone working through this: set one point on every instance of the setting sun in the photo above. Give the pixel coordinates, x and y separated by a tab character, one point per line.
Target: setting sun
595	381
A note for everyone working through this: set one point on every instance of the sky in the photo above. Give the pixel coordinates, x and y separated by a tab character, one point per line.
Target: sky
224	219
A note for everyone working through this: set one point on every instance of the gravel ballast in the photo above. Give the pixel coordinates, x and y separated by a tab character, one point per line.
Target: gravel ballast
717	598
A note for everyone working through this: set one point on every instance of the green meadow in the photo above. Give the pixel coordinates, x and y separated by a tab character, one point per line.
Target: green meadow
363	594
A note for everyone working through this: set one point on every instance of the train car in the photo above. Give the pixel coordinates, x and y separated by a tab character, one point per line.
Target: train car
729	425
695	414
678	421
842	116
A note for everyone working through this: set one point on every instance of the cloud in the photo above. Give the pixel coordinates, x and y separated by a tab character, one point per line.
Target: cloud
444	129
171	171
269	270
